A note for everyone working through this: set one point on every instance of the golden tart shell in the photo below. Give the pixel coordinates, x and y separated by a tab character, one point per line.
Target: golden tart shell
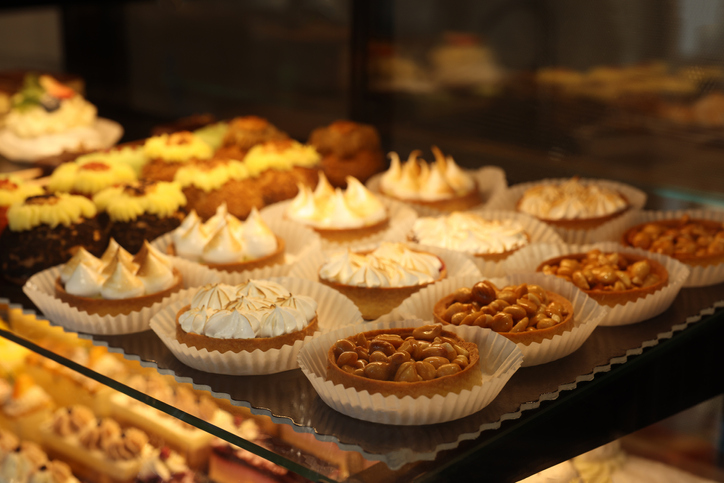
489	257
580	223
200	341
455	383
275	258
101	307
456	203
342	235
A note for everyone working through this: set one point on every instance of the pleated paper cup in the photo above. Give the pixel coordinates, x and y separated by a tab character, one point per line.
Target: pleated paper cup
538	231
699	276
40	288
299	241
490	180
632	312
401	219
499	359
508	199
587	314
333	311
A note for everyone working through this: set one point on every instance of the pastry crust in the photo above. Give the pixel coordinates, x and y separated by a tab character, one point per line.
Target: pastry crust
526	337
341	235
275	258
456	203
611	298
580	223
488	257
687	258
264	344
469	377
159	170
374	302
103	307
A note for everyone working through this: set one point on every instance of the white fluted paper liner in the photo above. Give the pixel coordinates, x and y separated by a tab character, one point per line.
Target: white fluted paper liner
299	241
539	233
499	359
458	264
507	200
587	314
40	288
401	220
529	258
490	180
698	276
334	310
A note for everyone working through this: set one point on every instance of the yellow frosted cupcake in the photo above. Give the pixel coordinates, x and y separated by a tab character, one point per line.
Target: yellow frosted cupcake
89	175
168	152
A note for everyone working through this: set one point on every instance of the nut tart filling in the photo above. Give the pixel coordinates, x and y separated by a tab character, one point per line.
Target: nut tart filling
635	285
407	372
257	327
379	280
566	315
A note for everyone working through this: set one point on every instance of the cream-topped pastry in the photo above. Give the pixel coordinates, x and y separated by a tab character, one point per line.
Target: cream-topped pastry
471	233
15	190
227	243
24	406
573	201
442	184
211	175
258	314
52	210
177	147
380	280
133	156
89	176
281	155
118	282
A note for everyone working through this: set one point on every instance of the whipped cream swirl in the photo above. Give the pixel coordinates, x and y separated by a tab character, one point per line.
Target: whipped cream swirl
571	200
469	233
416	180
117	274
390	265
255	309
224	238
326	207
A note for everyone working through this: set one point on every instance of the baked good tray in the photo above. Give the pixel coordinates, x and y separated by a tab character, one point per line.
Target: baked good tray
289	398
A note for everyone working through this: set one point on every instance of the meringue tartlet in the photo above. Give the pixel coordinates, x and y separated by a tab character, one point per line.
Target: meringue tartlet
117	283
258	314
226	243
491	240
441	185
339	215
378	281
573	204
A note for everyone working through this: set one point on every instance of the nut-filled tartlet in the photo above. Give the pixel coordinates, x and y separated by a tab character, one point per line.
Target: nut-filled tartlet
693	241
524	313
378	281
611	279
416	361
258	314
117	283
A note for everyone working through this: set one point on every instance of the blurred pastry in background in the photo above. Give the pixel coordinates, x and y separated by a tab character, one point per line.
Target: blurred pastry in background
89	175
463	60
244	133
14	190
168	152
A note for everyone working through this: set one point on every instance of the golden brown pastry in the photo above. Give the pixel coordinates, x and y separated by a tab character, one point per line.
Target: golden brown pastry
246	132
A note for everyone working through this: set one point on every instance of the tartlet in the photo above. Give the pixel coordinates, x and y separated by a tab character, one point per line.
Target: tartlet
226	243
490	240
378	281
337	215
117	283
573	204
348	149
417	362
609	278
257	315
168	152
695	242
442	185
510	311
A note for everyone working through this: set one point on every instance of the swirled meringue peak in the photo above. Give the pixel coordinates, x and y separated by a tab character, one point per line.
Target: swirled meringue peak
571	200
390	265
257	308
355	207
224	238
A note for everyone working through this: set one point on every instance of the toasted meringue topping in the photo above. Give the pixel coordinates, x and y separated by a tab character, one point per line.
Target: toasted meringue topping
416	180
81	256
470	233
356	207
258	308
121	284
155	275
571	200
390	265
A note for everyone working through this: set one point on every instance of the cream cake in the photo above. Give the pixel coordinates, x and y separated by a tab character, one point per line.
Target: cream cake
336	214
24	407
378	281
26	462
470	233
226	243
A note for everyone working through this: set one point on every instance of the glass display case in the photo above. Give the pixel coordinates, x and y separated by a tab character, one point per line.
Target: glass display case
630	93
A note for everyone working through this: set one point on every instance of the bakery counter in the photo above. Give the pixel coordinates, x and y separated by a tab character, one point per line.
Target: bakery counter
620	380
